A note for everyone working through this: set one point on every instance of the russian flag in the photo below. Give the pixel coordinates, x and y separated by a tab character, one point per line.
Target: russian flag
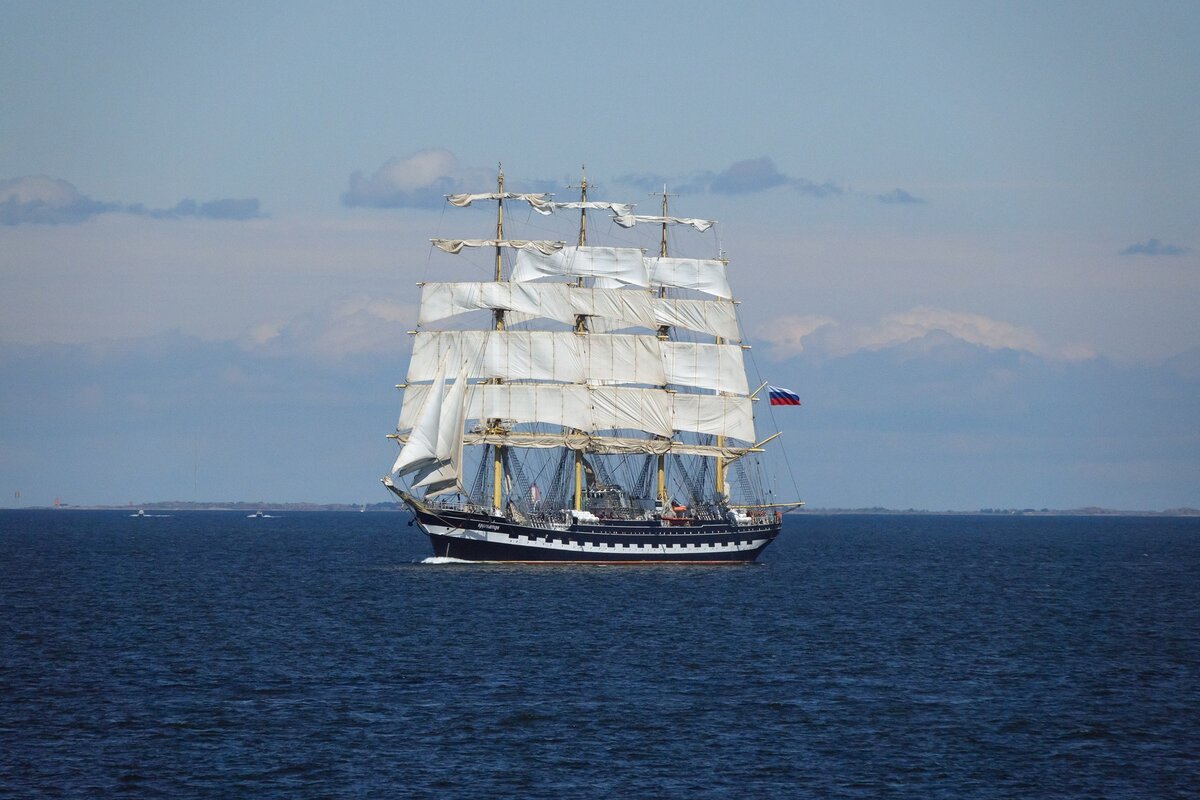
783	397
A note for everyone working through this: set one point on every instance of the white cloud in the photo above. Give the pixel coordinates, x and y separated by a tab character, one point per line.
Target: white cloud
420	180
353	325
788	334
973	328
39	199
39	189
121	276
45	200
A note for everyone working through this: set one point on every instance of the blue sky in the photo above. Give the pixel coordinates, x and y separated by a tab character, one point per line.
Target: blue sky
965	233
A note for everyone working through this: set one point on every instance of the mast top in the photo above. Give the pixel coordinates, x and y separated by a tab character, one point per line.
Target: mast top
583	181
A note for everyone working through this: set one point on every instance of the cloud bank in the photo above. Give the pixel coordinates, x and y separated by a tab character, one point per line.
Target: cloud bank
353	326
1153	247
423	179
42	200
899	197
741	177
790	336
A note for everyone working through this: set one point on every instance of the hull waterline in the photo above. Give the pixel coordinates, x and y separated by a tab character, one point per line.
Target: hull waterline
477	537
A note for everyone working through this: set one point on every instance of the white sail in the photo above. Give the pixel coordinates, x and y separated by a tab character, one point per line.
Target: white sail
446	476
455	246
510	355
571	358
549	300
618	308
620	209
598	408
610	266
540	356
628	220
705	366
713	414
583	407
539	202
420	450
630	307
700	274
610	444
557	301
715	317
601	443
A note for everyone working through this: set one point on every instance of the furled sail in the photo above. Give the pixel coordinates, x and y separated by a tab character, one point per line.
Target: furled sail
629	220
610	266
620	209
455	246
701	274
539	202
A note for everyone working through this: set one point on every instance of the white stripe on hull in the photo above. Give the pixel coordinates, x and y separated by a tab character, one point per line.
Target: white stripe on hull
710	548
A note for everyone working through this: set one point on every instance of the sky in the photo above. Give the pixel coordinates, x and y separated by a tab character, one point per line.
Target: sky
965	233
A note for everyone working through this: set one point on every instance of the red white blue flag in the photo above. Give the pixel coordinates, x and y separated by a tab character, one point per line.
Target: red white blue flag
783	397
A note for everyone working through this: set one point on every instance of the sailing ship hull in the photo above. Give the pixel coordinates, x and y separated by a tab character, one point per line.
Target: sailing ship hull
480	537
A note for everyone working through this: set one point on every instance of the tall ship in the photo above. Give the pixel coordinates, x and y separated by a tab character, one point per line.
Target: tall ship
589	403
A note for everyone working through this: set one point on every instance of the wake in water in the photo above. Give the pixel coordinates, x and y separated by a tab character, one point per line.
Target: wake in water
445	560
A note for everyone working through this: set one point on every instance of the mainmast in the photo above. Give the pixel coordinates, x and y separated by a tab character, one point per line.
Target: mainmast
663	333
581	325
498	324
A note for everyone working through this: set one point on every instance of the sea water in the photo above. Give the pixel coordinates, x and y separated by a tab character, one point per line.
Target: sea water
206	654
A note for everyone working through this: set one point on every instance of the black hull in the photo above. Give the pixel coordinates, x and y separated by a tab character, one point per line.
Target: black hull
477	537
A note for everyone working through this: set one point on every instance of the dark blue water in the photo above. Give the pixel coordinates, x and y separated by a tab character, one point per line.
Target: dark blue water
208	655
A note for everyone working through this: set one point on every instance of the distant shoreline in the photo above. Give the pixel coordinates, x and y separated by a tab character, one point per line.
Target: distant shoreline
1090	511
391	508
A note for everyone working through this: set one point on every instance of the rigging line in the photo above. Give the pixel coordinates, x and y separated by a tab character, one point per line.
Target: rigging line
429	255
771	412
